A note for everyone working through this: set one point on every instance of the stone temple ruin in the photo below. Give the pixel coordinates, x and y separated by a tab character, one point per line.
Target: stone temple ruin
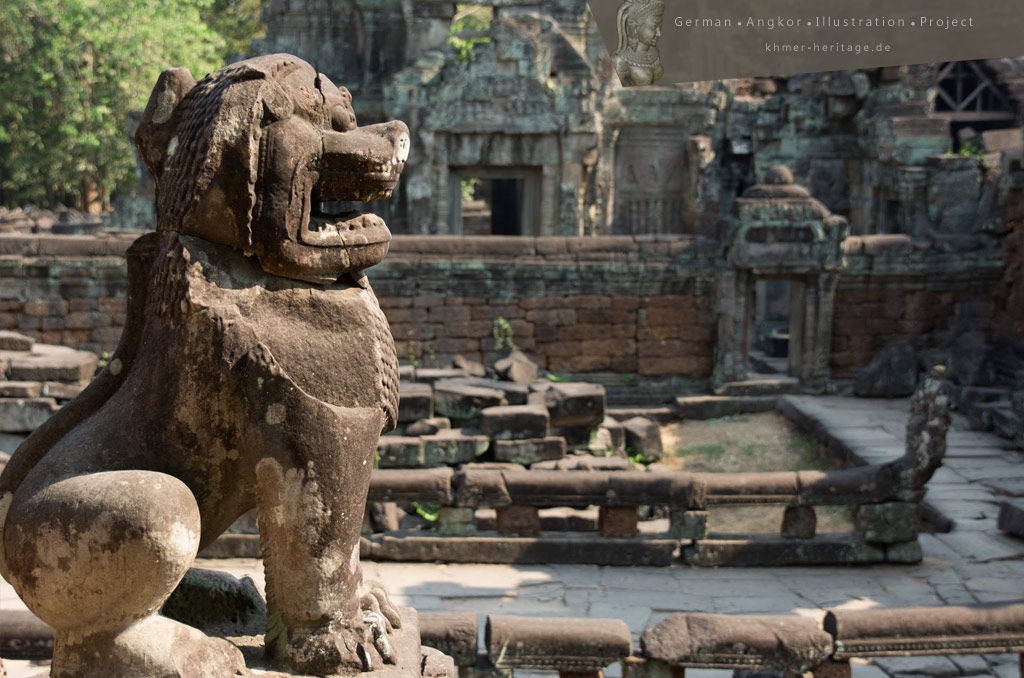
709	246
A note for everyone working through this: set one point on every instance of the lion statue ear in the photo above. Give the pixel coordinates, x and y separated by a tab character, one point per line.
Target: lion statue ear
159	121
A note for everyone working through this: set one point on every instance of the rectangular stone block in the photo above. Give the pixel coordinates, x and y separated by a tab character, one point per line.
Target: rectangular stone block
451	447
460	402
20	389
887	523
685	524
521	520
617	521
777	552
53	363
799	522
456	521
404	486
529	452
61	391
400	452
643	438
514	422
415	401
1011	517
12	341
24	415
576	404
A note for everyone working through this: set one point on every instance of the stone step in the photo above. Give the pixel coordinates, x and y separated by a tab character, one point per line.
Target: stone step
714	407
760	385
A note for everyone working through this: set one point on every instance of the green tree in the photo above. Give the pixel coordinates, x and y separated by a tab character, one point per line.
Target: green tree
70	70
239	22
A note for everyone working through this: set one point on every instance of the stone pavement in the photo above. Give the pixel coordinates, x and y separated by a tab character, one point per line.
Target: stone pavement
973	563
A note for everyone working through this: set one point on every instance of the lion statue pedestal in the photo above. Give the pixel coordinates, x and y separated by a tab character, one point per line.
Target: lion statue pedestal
256	370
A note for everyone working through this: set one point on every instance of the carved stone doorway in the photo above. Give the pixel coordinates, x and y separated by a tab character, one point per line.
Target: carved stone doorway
494	201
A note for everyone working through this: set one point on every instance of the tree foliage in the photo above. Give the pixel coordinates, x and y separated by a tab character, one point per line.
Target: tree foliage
70	70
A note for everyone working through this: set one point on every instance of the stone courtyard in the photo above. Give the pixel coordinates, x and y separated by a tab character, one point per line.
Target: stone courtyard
974	562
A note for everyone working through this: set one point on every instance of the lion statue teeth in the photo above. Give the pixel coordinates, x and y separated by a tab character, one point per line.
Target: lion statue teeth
256	370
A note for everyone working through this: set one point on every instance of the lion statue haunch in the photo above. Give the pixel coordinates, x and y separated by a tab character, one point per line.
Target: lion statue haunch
255	370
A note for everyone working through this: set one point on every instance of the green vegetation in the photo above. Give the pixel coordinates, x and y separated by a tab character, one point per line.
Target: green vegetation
70	70
468	22
429	512
502	332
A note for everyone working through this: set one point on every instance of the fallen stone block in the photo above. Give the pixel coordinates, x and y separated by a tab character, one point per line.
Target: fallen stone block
52	363
61	391
426	427
400	452
12	341
1011	517
20	389
472	368
906	553
406	486
460	401
451	447
24	415
514	422
557	643
737	641
529	452
584	463
415	401
575	404
515	394
616	433
643	438
517	367
892	373
430	375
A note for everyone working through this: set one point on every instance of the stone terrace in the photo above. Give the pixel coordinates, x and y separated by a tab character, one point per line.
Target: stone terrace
972	563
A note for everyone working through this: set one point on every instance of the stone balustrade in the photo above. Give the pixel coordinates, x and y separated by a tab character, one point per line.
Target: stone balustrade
583	648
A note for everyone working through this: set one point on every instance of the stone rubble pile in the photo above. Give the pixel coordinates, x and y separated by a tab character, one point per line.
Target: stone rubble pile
463	414
62	220
35	380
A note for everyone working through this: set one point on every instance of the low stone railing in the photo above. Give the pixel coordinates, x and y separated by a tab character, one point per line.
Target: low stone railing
885	499
583	648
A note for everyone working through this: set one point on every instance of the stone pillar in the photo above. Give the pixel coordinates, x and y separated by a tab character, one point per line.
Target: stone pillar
686	524
521	520
799	522
617	521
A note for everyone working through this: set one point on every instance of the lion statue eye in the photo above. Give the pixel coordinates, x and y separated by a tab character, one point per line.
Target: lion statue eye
343	118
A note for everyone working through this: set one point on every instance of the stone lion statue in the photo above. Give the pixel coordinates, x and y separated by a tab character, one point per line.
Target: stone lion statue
256	370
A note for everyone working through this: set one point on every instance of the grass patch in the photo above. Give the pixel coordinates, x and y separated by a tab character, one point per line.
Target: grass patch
747	443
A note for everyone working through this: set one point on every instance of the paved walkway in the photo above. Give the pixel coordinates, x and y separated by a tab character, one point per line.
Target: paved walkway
973	563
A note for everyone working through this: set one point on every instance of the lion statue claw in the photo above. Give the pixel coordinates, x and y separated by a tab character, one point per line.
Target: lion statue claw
256	370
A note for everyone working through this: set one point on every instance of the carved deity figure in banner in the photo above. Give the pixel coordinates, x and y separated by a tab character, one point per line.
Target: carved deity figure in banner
636	58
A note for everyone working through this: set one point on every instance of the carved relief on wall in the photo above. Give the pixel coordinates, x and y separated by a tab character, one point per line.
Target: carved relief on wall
650	178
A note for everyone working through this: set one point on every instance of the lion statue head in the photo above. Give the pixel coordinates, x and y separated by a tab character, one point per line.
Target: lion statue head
246	156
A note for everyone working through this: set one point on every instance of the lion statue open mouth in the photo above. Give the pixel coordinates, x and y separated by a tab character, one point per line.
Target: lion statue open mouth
255	370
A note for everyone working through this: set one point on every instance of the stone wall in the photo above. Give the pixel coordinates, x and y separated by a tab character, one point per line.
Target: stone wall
65	289
892	291
636	305
621	304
